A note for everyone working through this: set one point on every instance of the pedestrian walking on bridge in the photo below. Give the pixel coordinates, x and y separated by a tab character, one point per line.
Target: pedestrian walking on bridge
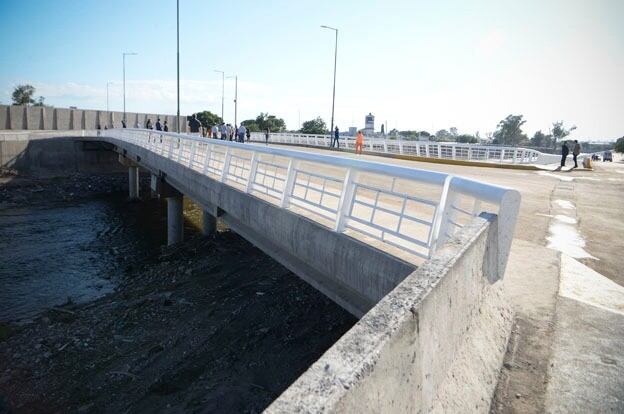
359	142
575	152
241	133
158	125
336	137
564	153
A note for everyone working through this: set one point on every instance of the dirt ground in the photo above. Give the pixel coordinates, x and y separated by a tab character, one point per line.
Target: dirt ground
212	325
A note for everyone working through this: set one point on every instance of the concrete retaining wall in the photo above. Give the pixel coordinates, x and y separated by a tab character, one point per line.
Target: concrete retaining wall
46	156
434	344
19	117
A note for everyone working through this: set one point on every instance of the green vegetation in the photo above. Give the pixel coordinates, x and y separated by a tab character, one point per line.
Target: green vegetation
619	145
314	126
263	122
509	131
23	95
208	119
559	132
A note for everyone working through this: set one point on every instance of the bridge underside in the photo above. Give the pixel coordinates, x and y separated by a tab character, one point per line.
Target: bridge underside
353	274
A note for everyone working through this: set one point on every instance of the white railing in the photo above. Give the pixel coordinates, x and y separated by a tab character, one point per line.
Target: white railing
445	150
409	209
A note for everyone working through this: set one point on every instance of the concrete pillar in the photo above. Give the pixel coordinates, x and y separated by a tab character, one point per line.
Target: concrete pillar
133	182
209	226
175	220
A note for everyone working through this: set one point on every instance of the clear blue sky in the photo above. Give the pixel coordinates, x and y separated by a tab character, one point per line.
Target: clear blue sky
415	64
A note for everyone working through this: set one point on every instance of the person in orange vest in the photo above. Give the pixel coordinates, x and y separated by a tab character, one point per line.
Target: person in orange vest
359	142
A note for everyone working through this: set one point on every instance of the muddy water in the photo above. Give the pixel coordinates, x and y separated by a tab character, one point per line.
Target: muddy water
74	250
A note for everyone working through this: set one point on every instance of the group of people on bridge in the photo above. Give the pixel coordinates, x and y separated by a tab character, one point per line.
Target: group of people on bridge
565	150
359	140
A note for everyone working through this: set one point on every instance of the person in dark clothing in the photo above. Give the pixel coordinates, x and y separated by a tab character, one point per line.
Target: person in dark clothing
195	125
123	123
336	136
148	124
248	134
166	127
266	136
564	153
158	125
576	151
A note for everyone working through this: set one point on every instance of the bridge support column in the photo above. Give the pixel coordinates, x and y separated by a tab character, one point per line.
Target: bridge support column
133	182
209	223
175	219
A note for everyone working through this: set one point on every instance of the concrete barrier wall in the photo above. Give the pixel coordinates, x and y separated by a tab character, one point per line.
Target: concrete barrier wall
19	117
434	344
45	156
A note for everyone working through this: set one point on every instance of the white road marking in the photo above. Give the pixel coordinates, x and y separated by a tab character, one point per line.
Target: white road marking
564	204
566	239
584	284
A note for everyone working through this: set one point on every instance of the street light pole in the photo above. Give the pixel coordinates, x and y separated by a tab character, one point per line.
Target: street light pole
331	131
178	61
222	91
124	81
107	85
235	98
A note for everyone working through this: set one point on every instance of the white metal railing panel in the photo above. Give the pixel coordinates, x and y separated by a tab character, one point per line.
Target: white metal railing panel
409	209
445	150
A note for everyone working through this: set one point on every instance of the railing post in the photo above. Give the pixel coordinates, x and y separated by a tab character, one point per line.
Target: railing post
252	172
426	150
346	200
439	151
453	151
439	215
502	155
291	174
515	154
192	157
226	165
207	159
170	153
370	143
385	146
400	146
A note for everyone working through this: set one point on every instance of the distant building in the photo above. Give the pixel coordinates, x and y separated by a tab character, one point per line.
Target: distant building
369	124
352	131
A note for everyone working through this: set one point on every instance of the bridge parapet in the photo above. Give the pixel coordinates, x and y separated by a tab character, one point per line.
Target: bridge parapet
440	150
404	210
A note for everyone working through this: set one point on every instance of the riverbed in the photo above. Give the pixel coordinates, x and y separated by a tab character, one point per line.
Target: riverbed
98	316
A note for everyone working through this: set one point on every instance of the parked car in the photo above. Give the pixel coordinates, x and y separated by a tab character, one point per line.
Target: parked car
607	156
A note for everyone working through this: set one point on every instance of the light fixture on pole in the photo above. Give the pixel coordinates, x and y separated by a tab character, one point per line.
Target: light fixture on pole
235	98
178	61
222	91
335	62
124	81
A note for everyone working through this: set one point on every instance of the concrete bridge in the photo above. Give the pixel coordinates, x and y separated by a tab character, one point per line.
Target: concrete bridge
418	255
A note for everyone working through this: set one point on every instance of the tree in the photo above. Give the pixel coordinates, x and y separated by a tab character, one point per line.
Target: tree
509	131
619	145
541	140
559	132
39	101
22	95
314	126
467	139
207	118
444	135
273	123
251	125
453	132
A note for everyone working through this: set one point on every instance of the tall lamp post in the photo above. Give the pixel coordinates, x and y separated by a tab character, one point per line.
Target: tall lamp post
222	91
124	80
107	85
331	131
235	98
178	61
